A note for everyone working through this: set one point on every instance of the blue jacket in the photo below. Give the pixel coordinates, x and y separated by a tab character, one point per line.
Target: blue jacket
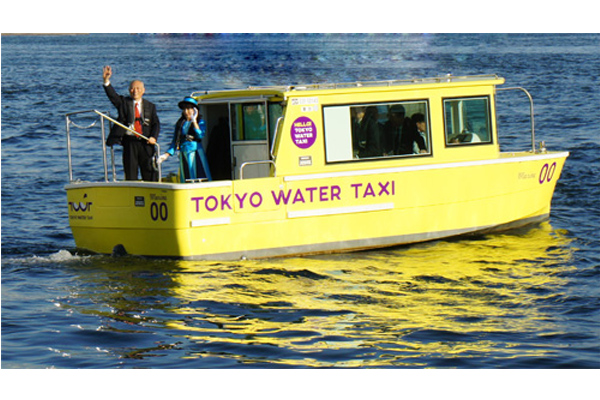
186	137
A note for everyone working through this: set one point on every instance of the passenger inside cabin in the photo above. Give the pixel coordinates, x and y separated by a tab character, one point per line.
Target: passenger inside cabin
370	131
464	137
254	123
396	135
421	125
401	133
395	132
358	142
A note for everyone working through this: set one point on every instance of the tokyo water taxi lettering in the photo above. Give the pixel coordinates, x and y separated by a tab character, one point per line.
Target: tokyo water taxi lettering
308	195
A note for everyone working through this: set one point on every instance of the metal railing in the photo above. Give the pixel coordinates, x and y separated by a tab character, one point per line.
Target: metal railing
530	112
244	165
103	116
278	89
276	137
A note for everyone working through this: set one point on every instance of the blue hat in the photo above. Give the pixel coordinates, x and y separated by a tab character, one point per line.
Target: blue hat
188	100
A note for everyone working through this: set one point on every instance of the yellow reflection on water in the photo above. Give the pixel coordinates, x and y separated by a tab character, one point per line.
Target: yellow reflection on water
467	298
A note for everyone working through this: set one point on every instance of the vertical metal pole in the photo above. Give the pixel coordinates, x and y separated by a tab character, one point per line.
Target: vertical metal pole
157	154
531	115
104	150
232	161
275	137
532	123
112	160
69	150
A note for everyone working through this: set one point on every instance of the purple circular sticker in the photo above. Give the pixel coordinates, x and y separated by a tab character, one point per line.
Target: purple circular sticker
304	132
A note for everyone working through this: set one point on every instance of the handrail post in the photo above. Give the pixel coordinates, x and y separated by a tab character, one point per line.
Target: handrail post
103	116
276	137
530	112
104	151
158	165
112	161
69	150
103	134
532	120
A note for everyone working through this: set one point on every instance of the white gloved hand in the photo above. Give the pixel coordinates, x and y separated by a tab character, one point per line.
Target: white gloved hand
163	158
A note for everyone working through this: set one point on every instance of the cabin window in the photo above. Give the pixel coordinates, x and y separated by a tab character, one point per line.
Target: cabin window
250	121
374	131
467	121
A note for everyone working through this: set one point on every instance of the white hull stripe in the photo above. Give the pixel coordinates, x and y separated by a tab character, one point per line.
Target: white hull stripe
426	167
210	221
305	213
340	210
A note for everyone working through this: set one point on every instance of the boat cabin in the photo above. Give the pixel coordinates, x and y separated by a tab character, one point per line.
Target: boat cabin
270	131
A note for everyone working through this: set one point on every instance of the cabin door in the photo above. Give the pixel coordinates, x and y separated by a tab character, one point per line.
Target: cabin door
250	141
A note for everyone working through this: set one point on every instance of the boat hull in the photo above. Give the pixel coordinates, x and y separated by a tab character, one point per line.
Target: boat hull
316	213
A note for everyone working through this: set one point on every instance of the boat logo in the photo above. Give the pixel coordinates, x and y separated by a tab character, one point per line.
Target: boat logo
80	206
304	132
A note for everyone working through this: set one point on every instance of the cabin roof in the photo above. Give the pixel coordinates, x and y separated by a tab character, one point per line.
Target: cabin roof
281	92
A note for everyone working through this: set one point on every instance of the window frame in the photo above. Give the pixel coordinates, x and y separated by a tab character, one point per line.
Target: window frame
427	113
488	115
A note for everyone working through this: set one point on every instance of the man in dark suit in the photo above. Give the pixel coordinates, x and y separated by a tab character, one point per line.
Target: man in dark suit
401	133
141	116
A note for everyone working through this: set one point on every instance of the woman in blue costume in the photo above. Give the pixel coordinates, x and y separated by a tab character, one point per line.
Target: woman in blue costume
187	138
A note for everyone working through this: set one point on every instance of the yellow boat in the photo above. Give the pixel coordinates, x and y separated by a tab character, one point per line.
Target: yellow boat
326	168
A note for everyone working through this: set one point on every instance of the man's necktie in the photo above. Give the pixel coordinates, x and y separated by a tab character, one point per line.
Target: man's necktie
137	125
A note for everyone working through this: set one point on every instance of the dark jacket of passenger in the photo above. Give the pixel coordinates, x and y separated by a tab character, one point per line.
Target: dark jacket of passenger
403	144
126	116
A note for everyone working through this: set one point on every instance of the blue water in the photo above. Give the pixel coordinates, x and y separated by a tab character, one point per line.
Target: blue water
523	299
